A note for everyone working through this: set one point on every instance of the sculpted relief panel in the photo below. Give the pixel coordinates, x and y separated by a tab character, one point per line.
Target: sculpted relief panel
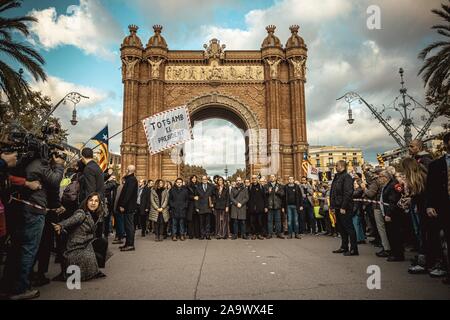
214	73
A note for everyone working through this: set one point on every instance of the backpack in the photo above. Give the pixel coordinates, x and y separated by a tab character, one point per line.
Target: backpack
71	192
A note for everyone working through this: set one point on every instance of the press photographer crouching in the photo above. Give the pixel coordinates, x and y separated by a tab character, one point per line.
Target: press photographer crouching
25	217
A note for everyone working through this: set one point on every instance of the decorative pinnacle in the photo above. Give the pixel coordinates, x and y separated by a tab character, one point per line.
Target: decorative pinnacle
271	28
294	28
133	28
157	28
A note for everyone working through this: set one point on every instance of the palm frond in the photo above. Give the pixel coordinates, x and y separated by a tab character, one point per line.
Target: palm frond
9	4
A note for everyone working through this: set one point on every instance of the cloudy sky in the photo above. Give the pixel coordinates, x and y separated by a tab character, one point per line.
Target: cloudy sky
80	41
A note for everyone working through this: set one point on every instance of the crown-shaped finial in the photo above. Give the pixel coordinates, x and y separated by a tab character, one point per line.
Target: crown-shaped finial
157	28
271	28
133	28
294	28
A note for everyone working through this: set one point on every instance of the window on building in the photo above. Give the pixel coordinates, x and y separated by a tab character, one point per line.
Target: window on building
344	153
354	153
330	161
330	154
318	163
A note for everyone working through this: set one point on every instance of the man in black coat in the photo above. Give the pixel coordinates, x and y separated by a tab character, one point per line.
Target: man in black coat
178	203
144	208
394	216
204	207
256	208
92	179
293	203
416	150
341	201
127	206
438	194
275	195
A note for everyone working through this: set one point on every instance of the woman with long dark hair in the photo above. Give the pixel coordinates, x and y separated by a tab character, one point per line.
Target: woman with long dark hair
83	249
221	201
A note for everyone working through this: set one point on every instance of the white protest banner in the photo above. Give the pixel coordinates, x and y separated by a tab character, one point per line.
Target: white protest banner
313	172
167	129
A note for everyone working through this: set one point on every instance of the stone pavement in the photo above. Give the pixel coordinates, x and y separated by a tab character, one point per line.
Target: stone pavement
247	269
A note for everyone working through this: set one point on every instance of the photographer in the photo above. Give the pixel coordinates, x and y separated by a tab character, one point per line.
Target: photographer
32	207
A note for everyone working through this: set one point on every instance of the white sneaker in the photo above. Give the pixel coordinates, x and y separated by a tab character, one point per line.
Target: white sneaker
417	269
438	273
27	295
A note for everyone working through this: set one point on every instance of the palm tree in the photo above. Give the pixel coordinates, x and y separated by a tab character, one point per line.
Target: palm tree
436	68
12	84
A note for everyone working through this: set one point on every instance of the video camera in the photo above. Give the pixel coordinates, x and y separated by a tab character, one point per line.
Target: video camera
30	146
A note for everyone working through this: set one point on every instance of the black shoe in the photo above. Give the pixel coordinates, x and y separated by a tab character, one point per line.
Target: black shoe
208	237
128	248
191	237
99	275
269	236
340	250
40	281
395	259
289	236
351	253
245	237
280	236
234	237
59	277
383	254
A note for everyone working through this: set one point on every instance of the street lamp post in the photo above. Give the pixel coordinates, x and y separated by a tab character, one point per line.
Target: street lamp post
73	97
405	110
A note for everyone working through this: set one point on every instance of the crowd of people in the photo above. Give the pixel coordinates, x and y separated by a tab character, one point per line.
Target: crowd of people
73	212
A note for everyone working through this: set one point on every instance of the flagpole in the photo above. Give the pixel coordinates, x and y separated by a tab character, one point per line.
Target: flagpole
109	138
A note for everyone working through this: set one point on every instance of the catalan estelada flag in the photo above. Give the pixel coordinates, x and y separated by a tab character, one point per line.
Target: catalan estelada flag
102	140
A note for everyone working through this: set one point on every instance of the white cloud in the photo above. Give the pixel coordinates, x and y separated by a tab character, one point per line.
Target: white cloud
344	55
88	26
57	88
216	143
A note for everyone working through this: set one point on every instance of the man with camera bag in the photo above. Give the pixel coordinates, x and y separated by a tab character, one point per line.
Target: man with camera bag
33	206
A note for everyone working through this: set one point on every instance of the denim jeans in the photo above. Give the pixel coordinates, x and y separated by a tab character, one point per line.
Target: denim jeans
274	214
30	232
292	219
416	224
236	224
178	225
119	224
360	235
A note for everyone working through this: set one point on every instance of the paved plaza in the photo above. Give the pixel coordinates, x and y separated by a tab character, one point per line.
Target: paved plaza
247	269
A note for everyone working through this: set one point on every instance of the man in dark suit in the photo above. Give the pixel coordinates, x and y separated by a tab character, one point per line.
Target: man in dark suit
204	207
92	179
341	202
127	206
257	207
438	193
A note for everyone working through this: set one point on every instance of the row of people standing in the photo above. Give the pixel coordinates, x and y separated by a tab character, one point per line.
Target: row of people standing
201	209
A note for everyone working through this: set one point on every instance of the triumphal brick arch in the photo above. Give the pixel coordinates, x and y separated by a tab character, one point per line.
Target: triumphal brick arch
260	91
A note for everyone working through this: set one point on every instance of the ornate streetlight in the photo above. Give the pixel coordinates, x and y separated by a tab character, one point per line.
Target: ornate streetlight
73	97
405	110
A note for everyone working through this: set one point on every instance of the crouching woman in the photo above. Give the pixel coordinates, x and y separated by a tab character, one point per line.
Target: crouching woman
80	228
